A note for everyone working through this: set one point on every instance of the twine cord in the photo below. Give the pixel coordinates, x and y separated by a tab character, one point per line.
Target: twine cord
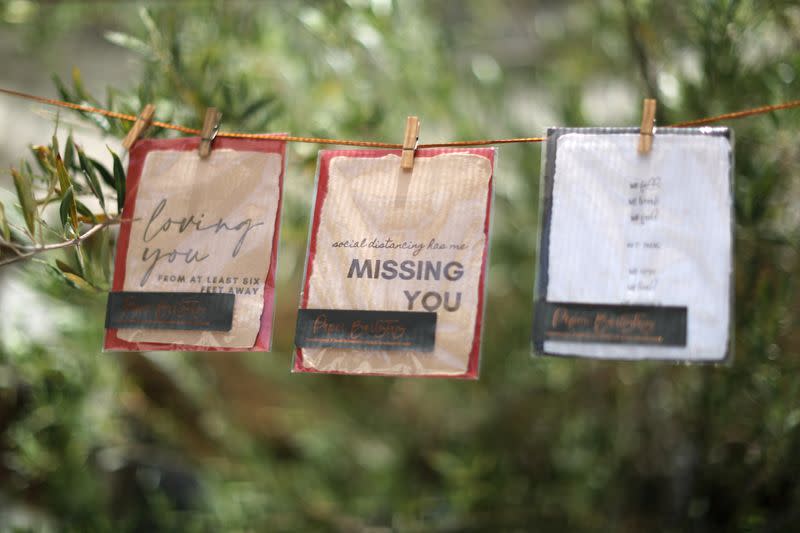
372	144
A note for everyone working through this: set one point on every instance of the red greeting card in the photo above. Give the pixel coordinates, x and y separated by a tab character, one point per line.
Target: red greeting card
396	264
197	249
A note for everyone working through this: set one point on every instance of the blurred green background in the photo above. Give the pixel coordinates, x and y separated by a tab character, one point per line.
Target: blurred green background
234	442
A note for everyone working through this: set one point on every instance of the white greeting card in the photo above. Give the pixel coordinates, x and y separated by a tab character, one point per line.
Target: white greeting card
636	249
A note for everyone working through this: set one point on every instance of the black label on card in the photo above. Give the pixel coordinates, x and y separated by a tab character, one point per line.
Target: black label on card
170	310
365	330
613	324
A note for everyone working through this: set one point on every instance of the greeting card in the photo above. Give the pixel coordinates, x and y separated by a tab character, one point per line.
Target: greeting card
635	253
396	264
197	250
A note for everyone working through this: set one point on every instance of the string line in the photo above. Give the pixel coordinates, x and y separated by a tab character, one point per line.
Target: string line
372	144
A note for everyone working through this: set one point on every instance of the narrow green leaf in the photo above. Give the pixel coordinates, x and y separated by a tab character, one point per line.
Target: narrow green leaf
80	256
85	211
62	89
63	176
78	282
69	152
63	209
70	278
63	267
104	173
68	211
131	43
26	200
54	147
80	90
104	258
50	269
28	171
73	210
150	24
98	259
115	126
91	177
119	181
5	230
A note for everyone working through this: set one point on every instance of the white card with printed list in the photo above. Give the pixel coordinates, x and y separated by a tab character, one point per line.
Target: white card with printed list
624	229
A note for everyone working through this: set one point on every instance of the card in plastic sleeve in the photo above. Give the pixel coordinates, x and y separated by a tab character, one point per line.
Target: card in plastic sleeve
200	225
636	250
387	240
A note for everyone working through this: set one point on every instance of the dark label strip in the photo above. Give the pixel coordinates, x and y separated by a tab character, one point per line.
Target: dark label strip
608	323
170	310
366	330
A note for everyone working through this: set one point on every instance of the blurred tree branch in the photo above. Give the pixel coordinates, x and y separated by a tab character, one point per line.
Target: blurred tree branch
27	252
636	40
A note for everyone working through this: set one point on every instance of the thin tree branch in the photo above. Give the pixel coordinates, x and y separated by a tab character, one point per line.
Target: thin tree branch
640	51
27	253
11	246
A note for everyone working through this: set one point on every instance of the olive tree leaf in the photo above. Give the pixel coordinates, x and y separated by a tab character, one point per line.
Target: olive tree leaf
68	210
131	43
70	277
22	182
104	173
63	209
5	230
54	147
119	181
78	282
91	178
63	267
85	212
68	206
63	176
80	89
63	92
69	152
98	255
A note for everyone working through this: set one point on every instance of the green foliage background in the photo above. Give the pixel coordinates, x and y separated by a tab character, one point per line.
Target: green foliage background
233	442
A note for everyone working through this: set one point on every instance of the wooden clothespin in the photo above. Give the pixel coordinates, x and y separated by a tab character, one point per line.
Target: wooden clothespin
410	143
646	130
139	127
209	132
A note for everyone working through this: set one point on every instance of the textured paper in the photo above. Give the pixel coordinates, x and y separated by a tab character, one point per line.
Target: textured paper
219	215
445	200
633	229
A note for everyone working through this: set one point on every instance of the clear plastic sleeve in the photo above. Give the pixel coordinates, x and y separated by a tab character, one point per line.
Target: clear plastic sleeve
382	239
202	225
636	251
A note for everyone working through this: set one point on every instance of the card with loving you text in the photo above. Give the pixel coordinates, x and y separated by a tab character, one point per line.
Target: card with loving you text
197	249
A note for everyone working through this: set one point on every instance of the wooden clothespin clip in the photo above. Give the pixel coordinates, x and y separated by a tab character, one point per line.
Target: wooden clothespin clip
139	127
646	130
209	132
410	143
